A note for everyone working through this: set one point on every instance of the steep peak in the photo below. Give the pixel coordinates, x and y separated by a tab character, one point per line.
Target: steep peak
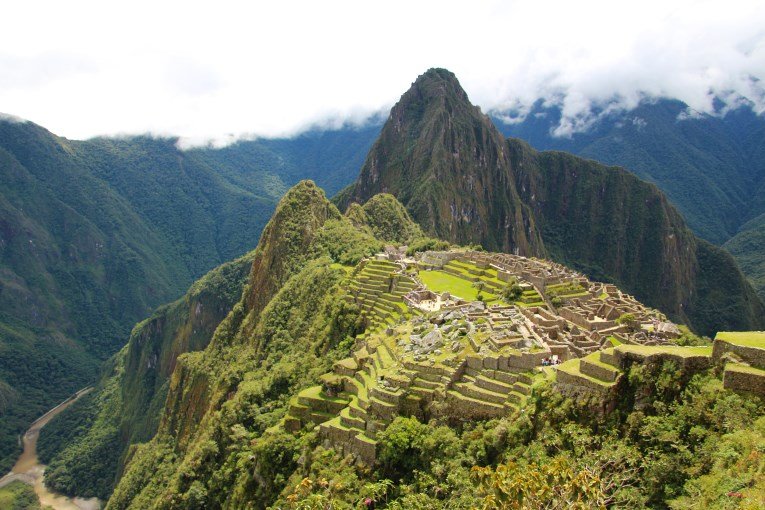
389	220
435	92
438	83
283	246
447	163
305	191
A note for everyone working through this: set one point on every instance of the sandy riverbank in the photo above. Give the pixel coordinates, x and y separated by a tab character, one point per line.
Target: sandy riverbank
28	468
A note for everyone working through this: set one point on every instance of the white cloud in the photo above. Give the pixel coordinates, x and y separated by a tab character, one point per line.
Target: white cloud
229	69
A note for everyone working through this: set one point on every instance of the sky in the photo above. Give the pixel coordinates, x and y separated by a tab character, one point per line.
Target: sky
213	72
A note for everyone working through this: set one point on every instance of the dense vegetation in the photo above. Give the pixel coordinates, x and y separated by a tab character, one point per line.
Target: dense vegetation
86	446
82	446
255	362
95	234
711	167
463	182
185	326
747	247
389	221
673	443
19	496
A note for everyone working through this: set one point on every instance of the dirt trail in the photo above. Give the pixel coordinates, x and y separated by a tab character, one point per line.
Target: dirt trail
28	468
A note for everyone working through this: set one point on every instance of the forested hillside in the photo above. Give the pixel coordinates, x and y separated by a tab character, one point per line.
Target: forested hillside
318	338
712	168
95	234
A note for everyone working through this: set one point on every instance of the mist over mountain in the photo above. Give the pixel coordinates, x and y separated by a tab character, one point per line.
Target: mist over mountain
306	358
462	181
710	167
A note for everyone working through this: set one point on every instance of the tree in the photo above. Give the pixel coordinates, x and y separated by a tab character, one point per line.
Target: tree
628	319
512	292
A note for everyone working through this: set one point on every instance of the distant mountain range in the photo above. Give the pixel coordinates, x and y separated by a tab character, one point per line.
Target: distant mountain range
95	234
712	168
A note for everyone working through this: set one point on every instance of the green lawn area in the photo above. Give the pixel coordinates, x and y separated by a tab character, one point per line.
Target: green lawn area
647	350
439	281
735	367
572	367
316	393
744	338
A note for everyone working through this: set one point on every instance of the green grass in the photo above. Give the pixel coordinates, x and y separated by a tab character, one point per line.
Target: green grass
572	367
647	350
743	338
594	358
316	393
566	290
440	281
736	367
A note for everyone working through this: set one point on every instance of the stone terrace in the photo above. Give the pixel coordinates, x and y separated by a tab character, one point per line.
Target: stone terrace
743	355
456	348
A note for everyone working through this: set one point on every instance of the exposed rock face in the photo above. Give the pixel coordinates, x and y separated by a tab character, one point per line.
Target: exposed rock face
186	325
445	161
609	223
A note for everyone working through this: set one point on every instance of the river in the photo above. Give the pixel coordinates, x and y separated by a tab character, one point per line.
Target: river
28	468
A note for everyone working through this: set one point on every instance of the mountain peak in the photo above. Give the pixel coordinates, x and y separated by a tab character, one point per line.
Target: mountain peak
439	77
434	85
284	243
442	159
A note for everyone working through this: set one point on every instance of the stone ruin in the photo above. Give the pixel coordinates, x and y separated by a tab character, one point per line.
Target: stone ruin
431	353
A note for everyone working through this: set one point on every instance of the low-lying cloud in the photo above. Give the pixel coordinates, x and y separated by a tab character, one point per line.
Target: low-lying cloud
250	69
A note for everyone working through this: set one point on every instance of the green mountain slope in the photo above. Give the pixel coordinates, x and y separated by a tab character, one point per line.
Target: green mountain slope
132	394
461	181
86	448
709	167
223	439
281	334
94	234
748	248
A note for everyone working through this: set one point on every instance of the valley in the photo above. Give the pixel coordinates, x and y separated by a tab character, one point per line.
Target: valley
468	313
29	470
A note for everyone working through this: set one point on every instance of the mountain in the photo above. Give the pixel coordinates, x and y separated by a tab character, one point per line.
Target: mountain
748	248
94	234
320	386
439	156
711	167
462	181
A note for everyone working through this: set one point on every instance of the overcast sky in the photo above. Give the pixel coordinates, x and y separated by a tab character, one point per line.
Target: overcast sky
220	69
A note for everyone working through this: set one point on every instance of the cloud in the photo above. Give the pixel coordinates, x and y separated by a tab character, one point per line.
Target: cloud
247	69
12	119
